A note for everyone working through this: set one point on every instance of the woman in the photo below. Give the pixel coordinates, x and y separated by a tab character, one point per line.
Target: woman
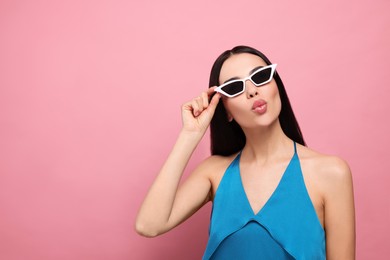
273	198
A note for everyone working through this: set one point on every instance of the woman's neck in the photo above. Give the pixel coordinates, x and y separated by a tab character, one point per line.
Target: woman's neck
266	142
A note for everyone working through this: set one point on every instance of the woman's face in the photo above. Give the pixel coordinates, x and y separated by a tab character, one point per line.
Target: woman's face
257	106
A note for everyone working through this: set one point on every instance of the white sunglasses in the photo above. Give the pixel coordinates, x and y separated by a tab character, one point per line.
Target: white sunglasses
259	77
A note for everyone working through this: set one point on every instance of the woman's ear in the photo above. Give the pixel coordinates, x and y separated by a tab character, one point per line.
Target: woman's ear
229	117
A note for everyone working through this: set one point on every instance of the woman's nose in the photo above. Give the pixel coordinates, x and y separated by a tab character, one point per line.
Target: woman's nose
251	89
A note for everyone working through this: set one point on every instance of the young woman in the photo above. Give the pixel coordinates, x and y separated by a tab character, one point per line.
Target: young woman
273	197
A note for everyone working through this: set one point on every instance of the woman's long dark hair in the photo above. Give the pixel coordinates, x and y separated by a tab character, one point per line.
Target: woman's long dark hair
227	137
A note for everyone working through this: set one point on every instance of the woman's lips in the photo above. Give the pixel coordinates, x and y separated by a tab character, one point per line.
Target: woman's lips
259	106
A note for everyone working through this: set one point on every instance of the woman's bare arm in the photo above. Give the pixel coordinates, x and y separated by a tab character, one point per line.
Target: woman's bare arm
339	212
166	204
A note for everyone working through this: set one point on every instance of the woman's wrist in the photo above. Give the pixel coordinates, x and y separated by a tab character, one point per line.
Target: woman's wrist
191	136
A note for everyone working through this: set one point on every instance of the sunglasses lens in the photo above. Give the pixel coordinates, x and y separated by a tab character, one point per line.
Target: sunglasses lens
233	88
262	76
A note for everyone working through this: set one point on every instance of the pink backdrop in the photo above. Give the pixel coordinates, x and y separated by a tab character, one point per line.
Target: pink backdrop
90	95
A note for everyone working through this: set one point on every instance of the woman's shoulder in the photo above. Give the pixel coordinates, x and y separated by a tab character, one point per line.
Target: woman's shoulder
328	169
215	165
217	161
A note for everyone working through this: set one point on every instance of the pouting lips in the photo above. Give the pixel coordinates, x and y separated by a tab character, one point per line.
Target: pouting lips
259	104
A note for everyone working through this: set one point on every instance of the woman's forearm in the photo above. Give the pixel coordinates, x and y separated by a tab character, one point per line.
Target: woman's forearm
157	206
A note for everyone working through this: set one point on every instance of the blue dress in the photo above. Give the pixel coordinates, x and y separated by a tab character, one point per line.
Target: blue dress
286	227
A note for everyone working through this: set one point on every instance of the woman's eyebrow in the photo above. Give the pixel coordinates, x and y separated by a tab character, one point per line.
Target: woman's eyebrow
250	72
256	68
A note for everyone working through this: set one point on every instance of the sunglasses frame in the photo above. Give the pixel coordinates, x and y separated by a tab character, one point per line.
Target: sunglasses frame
272	66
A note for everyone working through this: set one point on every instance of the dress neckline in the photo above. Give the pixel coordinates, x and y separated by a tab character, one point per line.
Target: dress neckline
275	190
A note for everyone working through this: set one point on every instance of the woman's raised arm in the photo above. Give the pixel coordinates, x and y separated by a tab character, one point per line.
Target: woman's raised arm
166	205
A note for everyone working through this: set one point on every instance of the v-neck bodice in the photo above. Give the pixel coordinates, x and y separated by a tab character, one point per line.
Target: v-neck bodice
272	194
287	225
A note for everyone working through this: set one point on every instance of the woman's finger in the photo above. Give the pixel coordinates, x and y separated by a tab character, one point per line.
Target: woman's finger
211	91
214	102
195	107
200	102
205	99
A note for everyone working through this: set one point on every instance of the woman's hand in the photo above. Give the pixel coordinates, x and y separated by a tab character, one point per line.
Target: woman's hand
197	113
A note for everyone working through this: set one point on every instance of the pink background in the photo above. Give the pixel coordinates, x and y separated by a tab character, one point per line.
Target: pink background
90	96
